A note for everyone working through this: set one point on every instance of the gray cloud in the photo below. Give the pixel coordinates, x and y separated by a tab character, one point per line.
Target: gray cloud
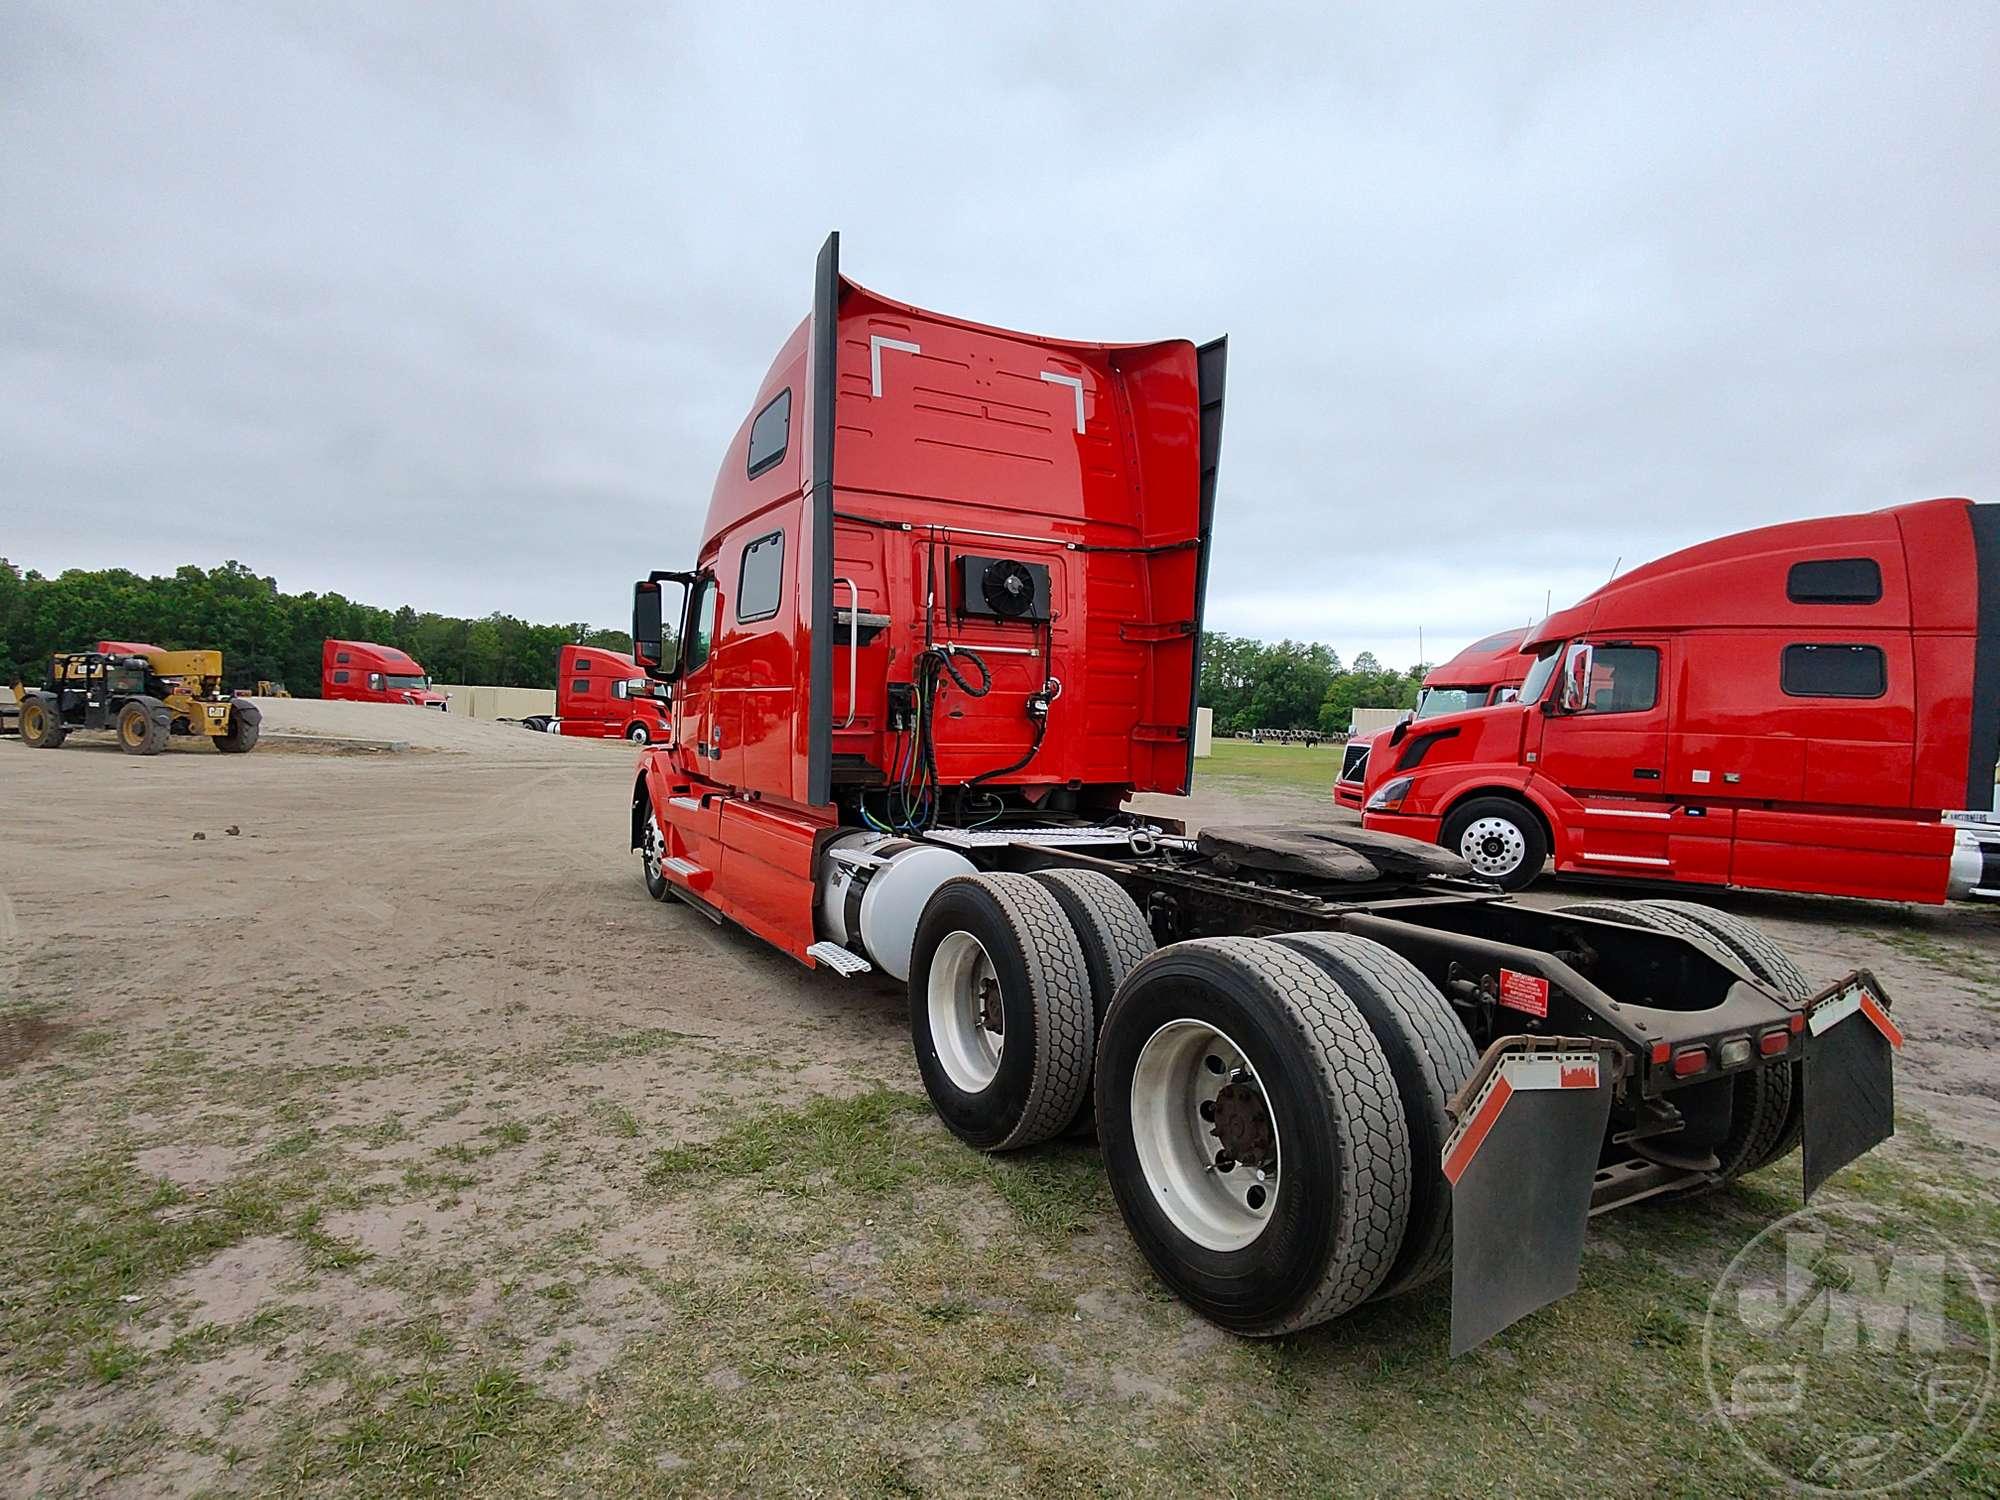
458	305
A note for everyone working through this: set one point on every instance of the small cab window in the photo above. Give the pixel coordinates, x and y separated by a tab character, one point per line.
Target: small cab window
701	633
580	666
340	656
1835	671
769	433
579	685
1623	680
1835	580
340	677
762	579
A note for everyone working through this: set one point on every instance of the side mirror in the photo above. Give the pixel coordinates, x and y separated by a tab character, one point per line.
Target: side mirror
374	682
655	647
1576	679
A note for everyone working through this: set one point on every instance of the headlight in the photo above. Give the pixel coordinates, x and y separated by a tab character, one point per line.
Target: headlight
1389	796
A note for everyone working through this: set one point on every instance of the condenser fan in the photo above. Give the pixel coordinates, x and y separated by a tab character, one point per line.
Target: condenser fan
1008	588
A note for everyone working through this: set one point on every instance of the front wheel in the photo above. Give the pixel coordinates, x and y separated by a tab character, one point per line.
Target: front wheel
41	726
637	734
1500	838
245	724
1252	1134
653	853
143	726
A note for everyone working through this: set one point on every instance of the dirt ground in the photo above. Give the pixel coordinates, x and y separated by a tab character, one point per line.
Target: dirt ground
365	1128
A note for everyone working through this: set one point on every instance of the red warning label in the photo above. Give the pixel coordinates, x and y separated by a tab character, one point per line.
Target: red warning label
1528	993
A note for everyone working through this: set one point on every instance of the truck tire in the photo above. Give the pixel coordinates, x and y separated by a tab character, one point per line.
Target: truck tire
1500	838
638	734
1762	956
1761	1100
1431	1055
1000	1011
1226	1057
143	726
1114	937
41	723
246	722
651	852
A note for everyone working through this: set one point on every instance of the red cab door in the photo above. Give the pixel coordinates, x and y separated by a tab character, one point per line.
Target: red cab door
1608	753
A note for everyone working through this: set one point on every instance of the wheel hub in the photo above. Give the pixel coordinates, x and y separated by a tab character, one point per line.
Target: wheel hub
1205	1135
1242	1125
1493	846
968	1016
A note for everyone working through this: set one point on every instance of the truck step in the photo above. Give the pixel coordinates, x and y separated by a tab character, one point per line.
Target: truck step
843	961
690	874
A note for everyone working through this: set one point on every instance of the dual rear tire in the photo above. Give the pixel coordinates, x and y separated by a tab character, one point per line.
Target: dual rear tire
1271	1112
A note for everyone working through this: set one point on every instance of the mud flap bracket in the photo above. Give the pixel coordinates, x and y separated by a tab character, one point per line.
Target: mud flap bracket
1521	1165
1850	1076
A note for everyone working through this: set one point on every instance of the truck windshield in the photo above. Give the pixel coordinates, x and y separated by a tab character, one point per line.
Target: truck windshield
1449	700
1540	673
416	684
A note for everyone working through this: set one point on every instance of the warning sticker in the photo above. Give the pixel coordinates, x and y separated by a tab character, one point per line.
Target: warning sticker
1528	993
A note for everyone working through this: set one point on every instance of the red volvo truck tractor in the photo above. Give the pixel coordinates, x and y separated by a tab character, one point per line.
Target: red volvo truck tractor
942	622
1794	708
603	695
364	672
1486	672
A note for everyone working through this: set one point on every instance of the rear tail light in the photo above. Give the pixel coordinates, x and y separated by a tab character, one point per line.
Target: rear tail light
1772	1042
1690	1061
1798	1023
1735	1051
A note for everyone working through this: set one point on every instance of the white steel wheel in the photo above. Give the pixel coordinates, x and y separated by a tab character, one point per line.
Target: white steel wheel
968	1022
1204	1135
637	734
1493	846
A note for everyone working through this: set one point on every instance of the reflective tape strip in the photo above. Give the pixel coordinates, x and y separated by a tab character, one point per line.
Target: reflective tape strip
1517	1071
1873	1010
1465	1141
1834	1011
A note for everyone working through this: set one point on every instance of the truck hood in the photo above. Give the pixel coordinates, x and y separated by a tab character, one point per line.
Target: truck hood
1493	733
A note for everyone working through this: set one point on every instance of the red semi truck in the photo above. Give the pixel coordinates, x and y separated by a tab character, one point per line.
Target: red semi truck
942	621
1793	708
364	672
1486	672
604	695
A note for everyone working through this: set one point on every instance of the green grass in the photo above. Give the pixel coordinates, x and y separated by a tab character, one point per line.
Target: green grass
1243	766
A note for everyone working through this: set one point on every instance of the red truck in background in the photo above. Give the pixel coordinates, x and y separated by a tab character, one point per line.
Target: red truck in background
1794	708
943	619
363	672
604	695
1486	672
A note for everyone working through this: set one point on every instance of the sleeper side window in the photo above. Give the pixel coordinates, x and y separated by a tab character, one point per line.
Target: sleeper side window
770	432
1835	580
762	578
1834	671
1623	680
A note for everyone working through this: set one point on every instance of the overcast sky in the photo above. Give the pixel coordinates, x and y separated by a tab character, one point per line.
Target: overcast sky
458	305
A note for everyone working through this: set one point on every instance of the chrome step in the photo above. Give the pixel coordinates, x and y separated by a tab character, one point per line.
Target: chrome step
843	961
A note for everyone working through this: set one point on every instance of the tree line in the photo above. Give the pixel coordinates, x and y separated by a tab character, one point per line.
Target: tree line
265	633
262	631
1255	684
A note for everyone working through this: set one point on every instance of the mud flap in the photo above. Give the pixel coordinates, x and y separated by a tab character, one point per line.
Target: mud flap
1850	1076
1521	1164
